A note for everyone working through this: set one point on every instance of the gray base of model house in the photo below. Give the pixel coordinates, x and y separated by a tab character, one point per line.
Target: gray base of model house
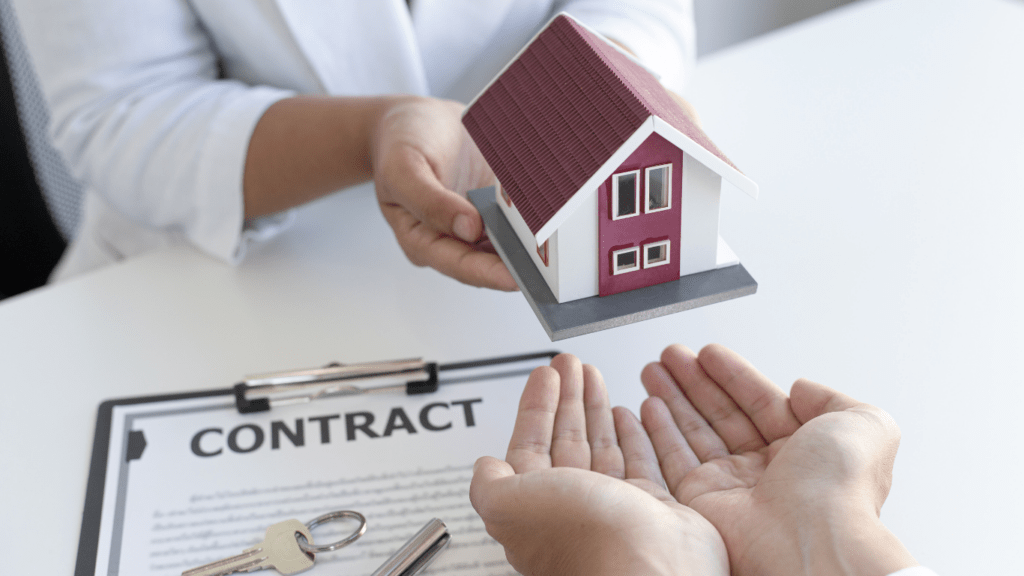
587	315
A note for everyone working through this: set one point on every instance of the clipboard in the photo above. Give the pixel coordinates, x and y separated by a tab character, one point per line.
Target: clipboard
296	398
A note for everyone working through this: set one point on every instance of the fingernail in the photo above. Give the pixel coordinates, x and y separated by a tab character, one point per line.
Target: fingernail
464	228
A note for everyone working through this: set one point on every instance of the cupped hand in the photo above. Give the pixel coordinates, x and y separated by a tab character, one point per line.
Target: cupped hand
423	164
794	484
580	491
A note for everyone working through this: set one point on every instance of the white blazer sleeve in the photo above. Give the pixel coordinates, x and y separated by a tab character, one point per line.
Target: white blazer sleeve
141	115
661	33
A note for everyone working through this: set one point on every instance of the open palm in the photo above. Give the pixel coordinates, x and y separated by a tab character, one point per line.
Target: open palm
756	463
581	492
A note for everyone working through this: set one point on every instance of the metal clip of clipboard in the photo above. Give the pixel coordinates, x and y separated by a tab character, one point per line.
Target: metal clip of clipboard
261	392
413	376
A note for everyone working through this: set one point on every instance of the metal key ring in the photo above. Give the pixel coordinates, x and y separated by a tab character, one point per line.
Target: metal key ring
315	548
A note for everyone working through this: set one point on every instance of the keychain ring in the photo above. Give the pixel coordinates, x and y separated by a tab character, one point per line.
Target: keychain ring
315	548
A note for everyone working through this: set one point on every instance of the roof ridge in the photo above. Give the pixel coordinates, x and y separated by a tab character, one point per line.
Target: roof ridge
616	62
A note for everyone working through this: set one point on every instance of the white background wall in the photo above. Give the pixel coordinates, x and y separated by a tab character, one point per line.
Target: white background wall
721	23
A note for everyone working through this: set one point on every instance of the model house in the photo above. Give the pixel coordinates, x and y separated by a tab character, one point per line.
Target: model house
604	178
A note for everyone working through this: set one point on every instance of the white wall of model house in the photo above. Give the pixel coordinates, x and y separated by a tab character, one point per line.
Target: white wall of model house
549	271
571	271
702	193
578	252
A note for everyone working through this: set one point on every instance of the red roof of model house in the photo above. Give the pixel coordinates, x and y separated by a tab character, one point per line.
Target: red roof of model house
567	105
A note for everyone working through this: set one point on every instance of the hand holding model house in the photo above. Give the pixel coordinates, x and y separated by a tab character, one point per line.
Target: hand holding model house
423	164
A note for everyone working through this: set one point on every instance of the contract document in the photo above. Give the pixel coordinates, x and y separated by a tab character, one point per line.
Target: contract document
186	480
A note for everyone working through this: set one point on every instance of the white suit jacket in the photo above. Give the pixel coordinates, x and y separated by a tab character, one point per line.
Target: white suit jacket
153	102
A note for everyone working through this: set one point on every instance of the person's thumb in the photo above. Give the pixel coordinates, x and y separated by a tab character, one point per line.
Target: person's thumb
410	182
486	492
809	400
863	439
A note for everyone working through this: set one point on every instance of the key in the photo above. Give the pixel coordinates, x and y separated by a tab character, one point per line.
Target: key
279	550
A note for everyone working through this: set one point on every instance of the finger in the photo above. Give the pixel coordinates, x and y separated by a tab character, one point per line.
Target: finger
731	424
641	462
687	107
605	454
701	437
485	245
810	400
411	182
675	456
449	256
530	446
488	496
569	445
761	400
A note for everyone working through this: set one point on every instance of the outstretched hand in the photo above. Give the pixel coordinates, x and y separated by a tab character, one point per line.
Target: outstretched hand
423	163
793	484
580	491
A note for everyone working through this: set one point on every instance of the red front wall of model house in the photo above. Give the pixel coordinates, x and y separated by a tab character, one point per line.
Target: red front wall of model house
644	228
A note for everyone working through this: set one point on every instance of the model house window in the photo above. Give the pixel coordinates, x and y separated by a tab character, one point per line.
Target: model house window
542	251
656	254
626	260
659	188
625	194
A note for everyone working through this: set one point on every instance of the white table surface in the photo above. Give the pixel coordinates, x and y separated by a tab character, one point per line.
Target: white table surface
888	141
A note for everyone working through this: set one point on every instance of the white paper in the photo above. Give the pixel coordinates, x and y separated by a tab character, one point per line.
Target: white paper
174	509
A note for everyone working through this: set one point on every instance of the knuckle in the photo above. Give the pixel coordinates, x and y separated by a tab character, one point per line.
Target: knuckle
436	215
602	443
570	435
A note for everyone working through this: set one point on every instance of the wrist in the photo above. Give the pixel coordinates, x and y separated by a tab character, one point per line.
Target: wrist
851	543
660	549
307	146
383	108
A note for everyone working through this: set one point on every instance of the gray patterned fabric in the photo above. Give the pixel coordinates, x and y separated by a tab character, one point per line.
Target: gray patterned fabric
62	192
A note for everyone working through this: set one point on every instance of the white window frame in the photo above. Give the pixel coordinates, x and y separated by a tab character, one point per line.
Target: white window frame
668	253
615	258
647	188
615	195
